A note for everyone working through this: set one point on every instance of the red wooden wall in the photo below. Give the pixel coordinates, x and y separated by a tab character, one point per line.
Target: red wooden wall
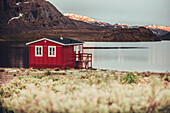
69	56
45	61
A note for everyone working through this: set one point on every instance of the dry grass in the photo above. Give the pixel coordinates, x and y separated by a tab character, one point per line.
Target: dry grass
85	91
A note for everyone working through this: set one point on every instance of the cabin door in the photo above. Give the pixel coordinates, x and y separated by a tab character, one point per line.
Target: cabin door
45	52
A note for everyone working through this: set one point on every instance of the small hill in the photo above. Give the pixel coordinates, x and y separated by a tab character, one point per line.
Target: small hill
131	35
166	36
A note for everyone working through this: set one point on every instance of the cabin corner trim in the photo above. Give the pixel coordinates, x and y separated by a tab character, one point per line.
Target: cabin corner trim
52	41
42	40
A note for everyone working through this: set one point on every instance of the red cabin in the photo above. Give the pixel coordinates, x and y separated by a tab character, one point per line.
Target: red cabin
58	53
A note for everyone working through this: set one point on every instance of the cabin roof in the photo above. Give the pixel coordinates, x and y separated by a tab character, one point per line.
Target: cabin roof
62	41
65	40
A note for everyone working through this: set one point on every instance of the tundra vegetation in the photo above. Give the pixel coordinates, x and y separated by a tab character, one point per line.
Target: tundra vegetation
95	91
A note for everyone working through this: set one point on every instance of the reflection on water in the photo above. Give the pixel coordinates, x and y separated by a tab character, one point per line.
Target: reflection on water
13	54
155	57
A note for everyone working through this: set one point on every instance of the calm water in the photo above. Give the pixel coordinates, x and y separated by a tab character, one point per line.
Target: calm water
155	57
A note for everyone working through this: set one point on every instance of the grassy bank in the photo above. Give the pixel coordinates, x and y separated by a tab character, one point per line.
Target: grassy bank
85	91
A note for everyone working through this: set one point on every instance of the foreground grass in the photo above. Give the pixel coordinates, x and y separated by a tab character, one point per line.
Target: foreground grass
85	91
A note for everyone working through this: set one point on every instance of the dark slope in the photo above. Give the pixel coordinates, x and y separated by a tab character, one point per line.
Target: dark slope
130	35
166	36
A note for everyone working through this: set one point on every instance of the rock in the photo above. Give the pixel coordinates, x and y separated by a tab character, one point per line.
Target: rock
12	71
37	73
58	72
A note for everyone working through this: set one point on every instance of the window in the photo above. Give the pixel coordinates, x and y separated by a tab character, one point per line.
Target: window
39	51
76	48
51	51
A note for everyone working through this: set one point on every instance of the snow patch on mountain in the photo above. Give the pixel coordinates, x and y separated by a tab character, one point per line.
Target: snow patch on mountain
80	17
18	3
121	25
86	19
14	18
166	28
93	21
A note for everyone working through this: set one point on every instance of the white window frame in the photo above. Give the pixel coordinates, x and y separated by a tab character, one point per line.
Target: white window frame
37	55
78	47
75	48
81	48
49	51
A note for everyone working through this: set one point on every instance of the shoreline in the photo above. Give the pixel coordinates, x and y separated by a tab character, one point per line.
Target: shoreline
10	73
115	47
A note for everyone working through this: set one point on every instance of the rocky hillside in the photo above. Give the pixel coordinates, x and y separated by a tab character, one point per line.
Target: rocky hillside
130	35
21	15
166	36
30	19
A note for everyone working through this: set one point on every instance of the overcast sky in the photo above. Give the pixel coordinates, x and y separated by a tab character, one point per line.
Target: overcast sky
132	12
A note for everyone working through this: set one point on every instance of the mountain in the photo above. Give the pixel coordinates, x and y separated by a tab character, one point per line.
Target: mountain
25	15
156	29
34	19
